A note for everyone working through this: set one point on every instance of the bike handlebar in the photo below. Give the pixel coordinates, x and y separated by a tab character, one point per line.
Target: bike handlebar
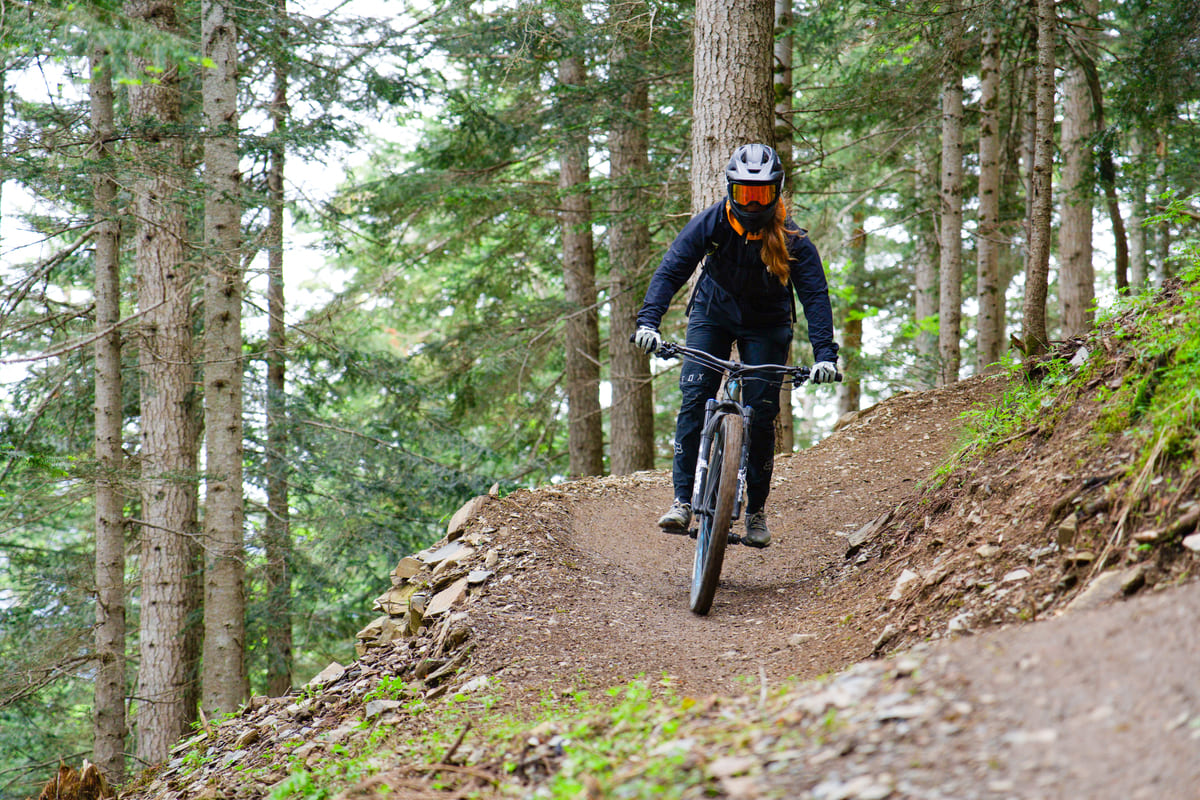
672	350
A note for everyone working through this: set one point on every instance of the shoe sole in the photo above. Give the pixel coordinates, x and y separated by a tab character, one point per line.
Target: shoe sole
672	526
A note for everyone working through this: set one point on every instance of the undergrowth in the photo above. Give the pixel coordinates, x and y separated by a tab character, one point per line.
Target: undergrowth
1156	338
615	739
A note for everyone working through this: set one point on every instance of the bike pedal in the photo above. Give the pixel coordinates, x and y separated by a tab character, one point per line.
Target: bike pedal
734	538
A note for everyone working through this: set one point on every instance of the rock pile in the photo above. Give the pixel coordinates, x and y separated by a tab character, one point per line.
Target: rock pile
420	645
429	587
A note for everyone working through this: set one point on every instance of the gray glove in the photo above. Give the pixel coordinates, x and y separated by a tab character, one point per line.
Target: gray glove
823	372
648	339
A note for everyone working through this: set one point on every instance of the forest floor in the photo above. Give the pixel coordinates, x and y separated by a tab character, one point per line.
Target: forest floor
994	633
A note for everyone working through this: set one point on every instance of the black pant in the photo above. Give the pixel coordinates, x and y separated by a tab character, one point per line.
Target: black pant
698	383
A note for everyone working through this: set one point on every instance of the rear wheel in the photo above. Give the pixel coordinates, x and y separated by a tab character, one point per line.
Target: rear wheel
716	511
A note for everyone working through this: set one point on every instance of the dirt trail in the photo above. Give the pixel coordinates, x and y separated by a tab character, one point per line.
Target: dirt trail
610	597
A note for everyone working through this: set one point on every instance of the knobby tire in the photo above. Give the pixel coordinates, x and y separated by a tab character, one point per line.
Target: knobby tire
716	511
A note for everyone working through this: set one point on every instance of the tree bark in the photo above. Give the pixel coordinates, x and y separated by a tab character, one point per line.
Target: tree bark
925	257
224	676
785	423
1076	274
277	526
850	390
108	708
1106	167
990	294
1137	234
632	415
1162	232
732	99
950	295
585	434
165	369
1033	326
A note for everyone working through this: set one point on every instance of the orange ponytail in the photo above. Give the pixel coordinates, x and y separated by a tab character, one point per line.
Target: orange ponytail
774	247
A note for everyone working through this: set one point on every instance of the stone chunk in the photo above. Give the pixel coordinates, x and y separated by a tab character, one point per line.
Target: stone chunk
335	671
902	583
407	568
444	600
866	533
435	557
1109	585
1067	530
394	601
1016	575
377	707
458	522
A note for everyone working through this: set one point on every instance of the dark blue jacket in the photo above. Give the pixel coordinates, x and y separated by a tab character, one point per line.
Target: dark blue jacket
736	286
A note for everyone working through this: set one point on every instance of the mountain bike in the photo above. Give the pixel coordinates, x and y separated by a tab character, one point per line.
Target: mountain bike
720	487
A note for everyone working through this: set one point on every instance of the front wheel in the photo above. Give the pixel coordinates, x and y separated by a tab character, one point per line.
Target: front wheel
716	511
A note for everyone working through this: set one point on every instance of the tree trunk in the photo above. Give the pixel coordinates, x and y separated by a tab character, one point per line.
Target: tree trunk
632	414
1084	51
1162	233
990	294
732	99
785	423
585	434
108	739
1033	325
1076	275
850	390
950	295
165	368
925	258
1137	234
224	677
277	527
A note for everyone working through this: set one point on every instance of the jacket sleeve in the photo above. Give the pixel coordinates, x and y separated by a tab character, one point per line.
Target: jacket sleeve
808	278
681	260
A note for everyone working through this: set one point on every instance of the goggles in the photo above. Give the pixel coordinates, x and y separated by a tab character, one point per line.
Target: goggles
761	193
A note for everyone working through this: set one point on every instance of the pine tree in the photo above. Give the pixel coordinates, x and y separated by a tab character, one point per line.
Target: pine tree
950	272
632	414
108	749
224	675
1033	328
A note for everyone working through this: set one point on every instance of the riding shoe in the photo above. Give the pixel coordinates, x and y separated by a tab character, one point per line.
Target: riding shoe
757	534
677	518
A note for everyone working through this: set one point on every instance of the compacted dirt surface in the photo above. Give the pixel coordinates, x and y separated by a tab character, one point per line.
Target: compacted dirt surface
608	597
1022	626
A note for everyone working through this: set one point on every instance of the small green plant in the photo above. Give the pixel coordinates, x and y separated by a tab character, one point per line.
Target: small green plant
390	688
196	758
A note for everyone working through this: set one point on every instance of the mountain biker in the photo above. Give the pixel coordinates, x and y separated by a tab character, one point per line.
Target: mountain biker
754	257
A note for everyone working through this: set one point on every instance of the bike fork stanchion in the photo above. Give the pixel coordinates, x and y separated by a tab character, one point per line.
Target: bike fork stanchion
743	461
706	434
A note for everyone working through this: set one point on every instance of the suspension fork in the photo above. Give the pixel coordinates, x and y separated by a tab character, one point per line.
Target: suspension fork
744	461
714	412
711	418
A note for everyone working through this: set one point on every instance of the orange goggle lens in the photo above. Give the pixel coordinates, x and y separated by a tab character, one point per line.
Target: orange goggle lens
743	194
